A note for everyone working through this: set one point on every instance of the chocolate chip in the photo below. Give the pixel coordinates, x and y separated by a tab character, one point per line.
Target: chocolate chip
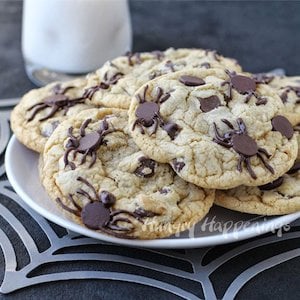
272	185
143	213
243	84
191	80
89	141
294	169
209	103
147	111
177	165
244	144
164	191
282	124
172	129
146	168
108	199
95	215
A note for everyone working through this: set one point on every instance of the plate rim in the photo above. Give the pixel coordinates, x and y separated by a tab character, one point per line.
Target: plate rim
166	243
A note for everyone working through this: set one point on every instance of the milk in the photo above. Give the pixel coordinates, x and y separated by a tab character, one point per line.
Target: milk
74	36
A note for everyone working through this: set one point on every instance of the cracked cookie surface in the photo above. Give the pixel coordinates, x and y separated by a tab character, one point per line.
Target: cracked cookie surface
217	129
102	180
114	84
40	111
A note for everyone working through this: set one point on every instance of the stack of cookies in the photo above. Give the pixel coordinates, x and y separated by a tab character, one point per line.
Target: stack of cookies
143	147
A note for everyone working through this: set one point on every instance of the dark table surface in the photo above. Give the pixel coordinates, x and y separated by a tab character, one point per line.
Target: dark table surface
261	35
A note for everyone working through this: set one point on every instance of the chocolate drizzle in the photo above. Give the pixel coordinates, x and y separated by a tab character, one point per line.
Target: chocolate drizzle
85	143
98	213
282	124
146	168
243	85
57	101
243	144
148	115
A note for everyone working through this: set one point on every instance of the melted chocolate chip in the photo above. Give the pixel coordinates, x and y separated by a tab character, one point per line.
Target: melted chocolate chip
244	144
209	103
108	199
178	165
272	185
95	215
191	80
143	213
294	169
282	124
146	111
172	129
243	84
146	168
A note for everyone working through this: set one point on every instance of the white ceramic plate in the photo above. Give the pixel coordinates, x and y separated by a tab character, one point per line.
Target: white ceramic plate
219	227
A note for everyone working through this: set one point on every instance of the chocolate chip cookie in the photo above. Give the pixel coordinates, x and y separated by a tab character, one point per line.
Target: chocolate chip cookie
114	84
100	178
40	111
281	196
217	129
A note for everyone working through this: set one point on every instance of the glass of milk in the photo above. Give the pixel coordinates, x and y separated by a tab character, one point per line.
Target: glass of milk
65	38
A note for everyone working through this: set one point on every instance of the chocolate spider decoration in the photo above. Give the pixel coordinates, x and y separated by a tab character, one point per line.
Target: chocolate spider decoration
148	115
214	53
104	85
243	144
86	143
98	213
287	90
243	85
263	78
58	101
135	58
131	56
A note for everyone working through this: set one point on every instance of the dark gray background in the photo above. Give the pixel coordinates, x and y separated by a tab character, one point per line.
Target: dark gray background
261	34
